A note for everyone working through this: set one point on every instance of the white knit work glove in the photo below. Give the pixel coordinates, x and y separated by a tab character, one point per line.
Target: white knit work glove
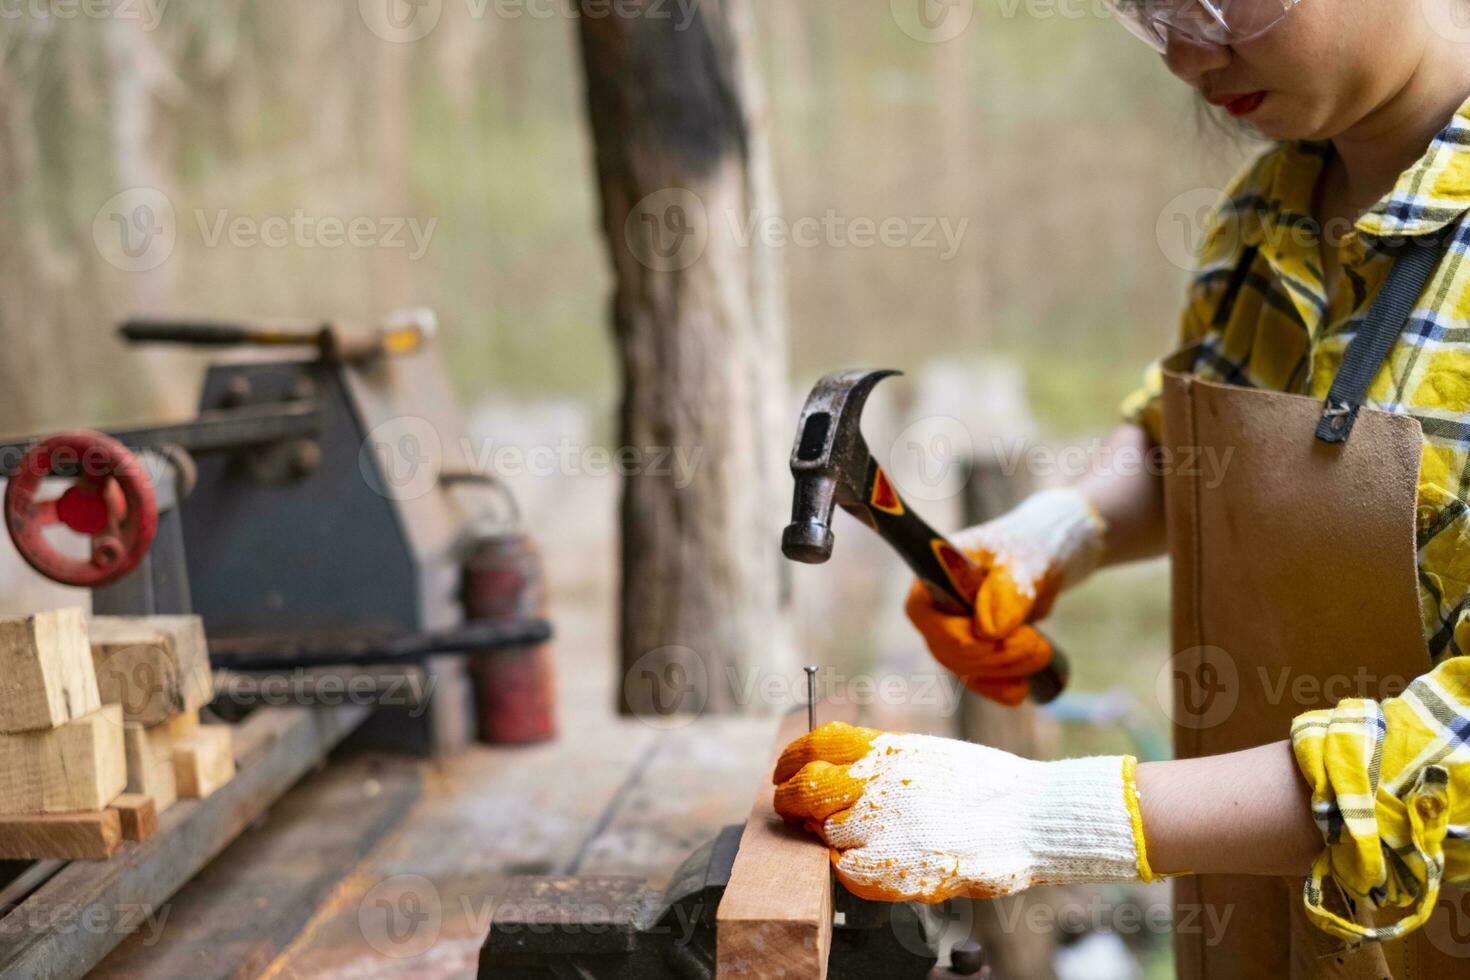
918	818
1051	542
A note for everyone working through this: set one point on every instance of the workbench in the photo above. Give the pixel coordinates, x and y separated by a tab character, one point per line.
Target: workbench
387	866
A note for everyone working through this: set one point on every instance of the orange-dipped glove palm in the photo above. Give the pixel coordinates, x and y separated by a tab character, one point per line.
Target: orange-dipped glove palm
918	818
1026	557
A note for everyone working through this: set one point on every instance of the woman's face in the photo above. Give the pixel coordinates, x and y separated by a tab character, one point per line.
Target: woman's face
1319	72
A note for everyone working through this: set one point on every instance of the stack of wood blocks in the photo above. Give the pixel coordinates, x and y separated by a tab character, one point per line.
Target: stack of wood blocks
157	669
100	734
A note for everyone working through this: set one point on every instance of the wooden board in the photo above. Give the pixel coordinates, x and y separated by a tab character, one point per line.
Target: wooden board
150	756
775	921
203	762
76	767
46	676
137	816
156	667
183	726
60	836
53	933
281	870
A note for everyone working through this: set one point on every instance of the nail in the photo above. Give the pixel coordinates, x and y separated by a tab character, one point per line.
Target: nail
811	697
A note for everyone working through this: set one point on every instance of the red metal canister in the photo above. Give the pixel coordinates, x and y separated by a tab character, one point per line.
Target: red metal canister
515	692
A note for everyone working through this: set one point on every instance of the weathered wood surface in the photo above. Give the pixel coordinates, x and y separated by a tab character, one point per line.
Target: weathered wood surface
611	797
203	761
698	317
275	748
156	667
238	914
775	920
137	814
150	756
91	836
77	766
46	676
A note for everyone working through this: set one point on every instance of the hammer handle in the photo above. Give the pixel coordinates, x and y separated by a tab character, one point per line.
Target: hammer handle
938	564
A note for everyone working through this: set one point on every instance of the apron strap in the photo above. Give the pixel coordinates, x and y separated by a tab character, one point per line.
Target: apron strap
1381	328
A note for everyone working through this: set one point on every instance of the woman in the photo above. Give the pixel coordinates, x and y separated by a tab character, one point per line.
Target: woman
1325	367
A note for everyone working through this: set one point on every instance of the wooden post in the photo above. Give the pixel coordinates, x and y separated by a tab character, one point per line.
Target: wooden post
1010	951
685	181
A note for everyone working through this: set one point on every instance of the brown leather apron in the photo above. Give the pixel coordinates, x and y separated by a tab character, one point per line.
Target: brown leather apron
1294	586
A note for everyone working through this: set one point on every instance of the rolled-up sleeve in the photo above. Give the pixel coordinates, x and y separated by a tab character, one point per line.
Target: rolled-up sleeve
1391	795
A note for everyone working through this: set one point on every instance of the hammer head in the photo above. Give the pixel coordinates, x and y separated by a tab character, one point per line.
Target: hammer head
829	461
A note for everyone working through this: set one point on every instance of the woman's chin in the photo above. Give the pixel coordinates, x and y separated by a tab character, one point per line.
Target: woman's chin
1278	120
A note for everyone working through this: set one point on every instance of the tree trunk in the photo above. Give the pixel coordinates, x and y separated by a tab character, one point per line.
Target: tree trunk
683	166
1023	731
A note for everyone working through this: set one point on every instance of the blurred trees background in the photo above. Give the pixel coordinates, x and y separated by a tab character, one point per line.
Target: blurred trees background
1059	140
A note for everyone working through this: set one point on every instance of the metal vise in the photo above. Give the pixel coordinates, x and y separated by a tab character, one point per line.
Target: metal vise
609	928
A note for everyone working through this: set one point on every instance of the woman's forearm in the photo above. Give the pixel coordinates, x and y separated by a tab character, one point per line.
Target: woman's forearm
1129	494
1247	812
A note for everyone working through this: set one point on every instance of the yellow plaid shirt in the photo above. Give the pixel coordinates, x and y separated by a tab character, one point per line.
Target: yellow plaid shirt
1391	782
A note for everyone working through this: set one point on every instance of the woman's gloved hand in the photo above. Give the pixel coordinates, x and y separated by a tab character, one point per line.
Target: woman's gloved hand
1052	541
913	817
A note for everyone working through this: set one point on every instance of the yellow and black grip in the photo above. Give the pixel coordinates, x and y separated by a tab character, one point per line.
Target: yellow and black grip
941	566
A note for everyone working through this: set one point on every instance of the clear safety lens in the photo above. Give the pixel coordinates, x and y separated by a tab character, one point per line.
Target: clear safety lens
1220	22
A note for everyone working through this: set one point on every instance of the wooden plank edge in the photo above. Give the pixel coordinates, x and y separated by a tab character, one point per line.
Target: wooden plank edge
137	815
775	919
274	747
93	835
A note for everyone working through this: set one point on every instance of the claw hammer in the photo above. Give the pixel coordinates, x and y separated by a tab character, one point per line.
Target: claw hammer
833	467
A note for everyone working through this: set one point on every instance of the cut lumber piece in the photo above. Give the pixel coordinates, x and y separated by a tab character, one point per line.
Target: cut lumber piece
775	919
46	675
184	726
77	767
137	815
203	762
150	754
60	836
53	931
156	667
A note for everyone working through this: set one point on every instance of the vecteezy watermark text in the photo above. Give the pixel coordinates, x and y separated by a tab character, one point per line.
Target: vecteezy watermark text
406	21
302	230
1124	918
568	458
671	229
833	230
1206	463
148	13
403	459
669	687
137	229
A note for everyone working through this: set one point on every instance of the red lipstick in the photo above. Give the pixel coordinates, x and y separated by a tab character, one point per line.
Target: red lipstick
1239	105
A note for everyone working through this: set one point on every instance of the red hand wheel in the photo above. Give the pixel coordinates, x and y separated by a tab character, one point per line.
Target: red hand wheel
111	502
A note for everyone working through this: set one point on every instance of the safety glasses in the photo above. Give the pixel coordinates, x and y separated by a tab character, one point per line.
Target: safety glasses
1217	22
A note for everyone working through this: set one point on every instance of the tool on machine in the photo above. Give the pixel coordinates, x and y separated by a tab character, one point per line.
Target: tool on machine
401	332
834	467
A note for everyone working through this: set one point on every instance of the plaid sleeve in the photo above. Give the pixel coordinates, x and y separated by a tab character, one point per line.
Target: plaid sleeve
1391	795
